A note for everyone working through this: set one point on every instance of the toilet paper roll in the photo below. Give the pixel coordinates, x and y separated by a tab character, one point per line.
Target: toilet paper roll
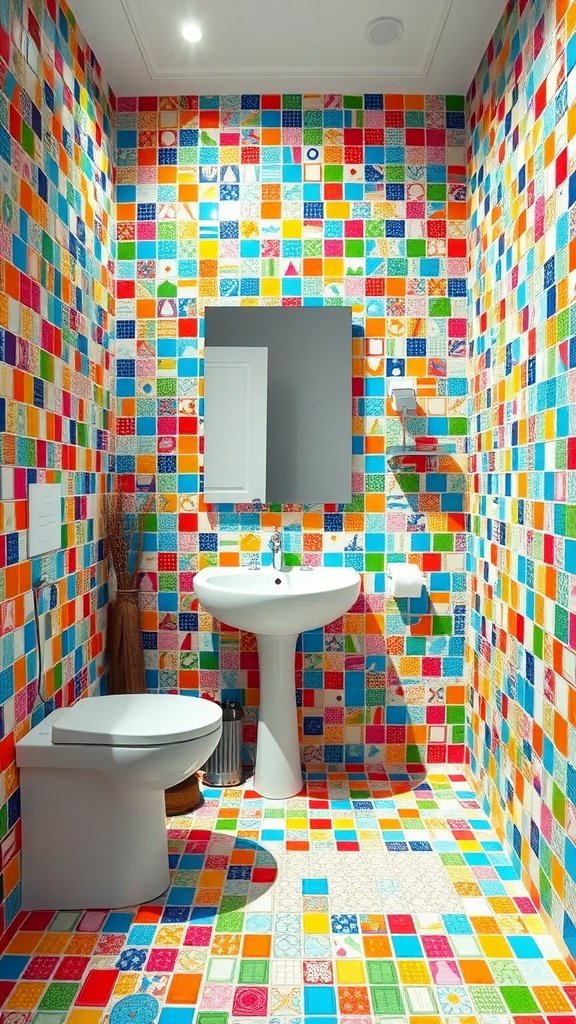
404	580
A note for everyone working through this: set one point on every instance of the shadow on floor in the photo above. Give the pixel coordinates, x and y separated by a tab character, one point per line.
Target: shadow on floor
216	872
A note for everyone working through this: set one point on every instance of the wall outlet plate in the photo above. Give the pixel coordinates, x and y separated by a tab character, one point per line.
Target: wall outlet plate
44	518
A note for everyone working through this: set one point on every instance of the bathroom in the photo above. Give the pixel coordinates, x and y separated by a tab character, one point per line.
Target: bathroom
422	176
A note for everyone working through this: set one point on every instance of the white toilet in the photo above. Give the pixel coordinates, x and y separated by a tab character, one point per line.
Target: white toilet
92	781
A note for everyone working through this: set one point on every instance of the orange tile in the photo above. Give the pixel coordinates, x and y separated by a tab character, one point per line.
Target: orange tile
376	946
475	972
184	989
24	942
256	945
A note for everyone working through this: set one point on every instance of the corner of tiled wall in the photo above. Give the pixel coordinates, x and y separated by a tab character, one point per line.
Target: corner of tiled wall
56	304
522	181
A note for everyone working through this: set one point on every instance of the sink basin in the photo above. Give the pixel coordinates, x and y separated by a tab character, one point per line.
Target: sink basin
277	606
267	602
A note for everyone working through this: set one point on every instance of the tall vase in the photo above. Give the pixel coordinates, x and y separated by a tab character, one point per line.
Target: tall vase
127	671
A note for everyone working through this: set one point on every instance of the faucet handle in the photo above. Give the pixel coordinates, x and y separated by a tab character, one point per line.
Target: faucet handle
275	538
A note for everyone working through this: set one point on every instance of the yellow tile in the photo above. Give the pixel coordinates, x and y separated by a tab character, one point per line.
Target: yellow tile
494	946
414	972
126	984
55	942
316	924
270	286
208	249
469	846
291	229
535	924
350	972
343	823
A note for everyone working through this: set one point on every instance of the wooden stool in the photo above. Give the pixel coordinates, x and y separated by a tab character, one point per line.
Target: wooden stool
184	797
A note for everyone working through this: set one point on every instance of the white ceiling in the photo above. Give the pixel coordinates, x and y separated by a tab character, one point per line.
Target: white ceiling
313	46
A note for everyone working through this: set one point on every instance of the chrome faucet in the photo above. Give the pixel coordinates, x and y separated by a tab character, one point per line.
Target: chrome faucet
276	546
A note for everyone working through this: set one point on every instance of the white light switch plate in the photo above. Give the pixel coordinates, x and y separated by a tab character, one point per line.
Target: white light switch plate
44	518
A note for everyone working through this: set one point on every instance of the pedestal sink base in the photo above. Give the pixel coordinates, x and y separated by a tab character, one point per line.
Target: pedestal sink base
277	774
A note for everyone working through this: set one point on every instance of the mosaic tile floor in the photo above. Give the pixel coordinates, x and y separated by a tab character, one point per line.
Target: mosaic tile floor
358	901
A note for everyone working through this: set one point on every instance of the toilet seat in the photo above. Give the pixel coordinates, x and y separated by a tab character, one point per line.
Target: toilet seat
136	720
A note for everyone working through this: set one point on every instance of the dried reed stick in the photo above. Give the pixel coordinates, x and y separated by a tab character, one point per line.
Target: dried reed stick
122	530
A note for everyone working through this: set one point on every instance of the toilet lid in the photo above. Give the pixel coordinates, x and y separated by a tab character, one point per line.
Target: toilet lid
136	720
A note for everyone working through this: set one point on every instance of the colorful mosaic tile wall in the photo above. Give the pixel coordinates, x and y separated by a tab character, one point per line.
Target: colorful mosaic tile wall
522	175
55	413
304	200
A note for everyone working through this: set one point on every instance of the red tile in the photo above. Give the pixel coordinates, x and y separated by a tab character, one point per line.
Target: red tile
37	921
401	924
97	988
71	968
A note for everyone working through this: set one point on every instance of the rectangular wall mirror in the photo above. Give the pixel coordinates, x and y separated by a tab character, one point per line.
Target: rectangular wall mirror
309	418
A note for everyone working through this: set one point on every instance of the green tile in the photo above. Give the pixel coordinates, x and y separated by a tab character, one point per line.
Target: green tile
387	1001
354	247
333	172
439	307
435	193
254	972
235	902
538	641
59	995
443	542
226	824
408	482
381	972
27	136
455	102
414	754
558	804
313	136
209	659
395	172
230	922
442	625
126	250
416	247
506	972
561	628
457	426
487	999
209	1017
374	562
519	999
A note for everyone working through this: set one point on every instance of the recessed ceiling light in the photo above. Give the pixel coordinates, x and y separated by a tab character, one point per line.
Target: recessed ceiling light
192	33
383	30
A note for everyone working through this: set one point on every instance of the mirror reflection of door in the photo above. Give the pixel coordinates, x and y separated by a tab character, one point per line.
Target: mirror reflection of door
235	404
309	445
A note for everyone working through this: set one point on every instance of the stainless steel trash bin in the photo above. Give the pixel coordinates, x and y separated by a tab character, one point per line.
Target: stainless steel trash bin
224	766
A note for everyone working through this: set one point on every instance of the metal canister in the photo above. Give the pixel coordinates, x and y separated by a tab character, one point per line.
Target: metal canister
224	766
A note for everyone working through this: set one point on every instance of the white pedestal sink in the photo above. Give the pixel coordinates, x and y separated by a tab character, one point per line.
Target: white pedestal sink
277	606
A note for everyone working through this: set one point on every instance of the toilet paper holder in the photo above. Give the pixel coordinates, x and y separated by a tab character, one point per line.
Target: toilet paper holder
404	580
402	391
